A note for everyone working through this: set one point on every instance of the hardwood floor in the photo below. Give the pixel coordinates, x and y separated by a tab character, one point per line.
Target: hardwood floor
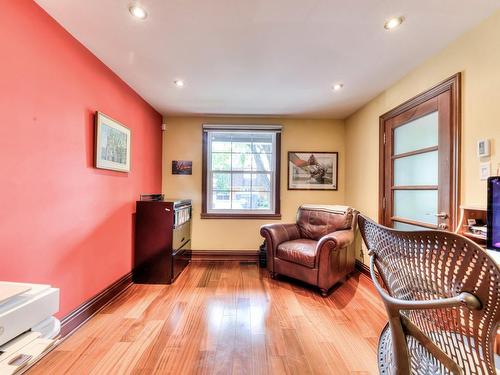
227	318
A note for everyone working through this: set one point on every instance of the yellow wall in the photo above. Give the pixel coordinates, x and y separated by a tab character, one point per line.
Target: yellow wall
183	141
477	55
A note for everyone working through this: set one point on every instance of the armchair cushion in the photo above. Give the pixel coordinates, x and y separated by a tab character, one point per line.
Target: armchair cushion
316	223
301	251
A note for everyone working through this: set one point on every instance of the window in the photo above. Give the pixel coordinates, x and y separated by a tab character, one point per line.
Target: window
241	171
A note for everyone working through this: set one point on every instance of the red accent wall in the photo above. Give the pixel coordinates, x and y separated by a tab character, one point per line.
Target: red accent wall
62	221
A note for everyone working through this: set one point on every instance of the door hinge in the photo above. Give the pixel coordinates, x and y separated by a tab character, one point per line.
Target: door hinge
383	203
384	138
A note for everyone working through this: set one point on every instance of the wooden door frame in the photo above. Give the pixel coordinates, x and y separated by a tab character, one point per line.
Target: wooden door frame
452	84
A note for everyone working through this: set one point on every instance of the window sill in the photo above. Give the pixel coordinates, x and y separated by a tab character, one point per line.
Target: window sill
240	216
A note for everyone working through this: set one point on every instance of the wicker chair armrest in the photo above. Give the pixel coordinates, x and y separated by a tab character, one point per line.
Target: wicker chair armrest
464	298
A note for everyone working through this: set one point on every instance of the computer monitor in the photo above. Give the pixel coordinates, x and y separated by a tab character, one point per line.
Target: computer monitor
493	237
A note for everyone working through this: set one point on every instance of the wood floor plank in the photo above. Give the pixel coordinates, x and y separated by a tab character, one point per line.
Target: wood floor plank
228	318
107	364
124	356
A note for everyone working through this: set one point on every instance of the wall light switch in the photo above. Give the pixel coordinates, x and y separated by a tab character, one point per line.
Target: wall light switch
484	170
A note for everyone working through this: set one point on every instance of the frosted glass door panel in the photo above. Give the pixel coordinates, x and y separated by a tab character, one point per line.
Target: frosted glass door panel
416	205
416	135
407	227
416	170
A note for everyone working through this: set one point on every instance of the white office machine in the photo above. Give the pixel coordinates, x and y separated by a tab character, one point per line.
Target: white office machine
27	326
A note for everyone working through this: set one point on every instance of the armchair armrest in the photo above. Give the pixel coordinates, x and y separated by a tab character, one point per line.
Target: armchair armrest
333	257
333	241
336	240
276	234
279	233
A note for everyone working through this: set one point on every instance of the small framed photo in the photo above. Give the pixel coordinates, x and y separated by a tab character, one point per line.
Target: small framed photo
483	148
312	170
471	222
182	167
112	144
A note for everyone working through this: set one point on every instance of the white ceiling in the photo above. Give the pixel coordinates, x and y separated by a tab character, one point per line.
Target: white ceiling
265	57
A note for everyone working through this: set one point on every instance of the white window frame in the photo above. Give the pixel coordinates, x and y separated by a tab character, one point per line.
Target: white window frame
268	129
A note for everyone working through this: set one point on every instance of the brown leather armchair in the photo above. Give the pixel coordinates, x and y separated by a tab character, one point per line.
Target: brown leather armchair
316	249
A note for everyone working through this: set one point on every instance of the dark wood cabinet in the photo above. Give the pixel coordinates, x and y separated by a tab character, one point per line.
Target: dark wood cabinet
162	240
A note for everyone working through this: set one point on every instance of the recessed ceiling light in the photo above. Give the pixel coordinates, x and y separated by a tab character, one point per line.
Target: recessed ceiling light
179	82
338	86
138	12
393	22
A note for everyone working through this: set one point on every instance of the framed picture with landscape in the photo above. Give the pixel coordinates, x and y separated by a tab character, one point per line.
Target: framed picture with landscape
182	167
112	144
312	170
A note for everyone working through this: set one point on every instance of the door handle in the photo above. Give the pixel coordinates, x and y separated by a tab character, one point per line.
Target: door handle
442	215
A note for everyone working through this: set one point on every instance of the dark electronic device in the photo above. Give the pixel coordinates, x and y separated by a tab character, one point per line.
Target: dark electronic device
493	233
152	197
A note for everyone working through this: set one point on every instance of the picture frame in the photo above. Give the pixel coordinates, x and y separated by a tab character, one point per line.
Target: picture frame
313	170
182	167
112	146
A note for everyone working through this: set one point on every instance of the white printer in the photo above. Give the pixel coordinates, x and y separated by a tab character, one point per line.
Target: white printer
27	326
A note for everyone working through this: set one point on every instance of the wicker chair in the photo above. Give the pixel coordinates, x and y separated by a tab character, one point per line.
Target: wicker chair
442	296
